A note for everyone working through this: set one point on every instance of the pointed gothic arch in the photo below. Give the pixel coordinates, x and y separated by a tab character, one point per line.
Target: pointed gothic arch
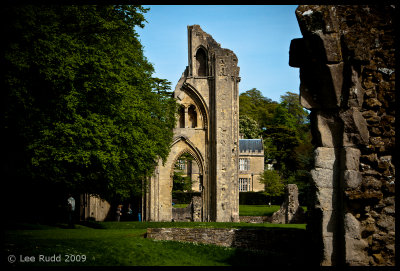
201	61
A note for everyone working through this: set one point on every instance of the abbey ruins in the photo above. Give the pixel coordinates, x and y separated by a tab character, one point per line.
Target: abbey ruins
208	130
346	60
347	72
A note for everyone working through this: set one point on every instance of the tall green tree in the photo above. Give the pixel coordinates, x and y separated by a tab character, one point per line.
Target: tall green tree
291	102
82	111
259	108
273	183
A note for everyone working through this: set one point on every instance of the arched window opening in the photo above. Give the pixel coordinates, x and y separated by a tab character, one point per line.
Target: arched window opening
192	116
182	180
187	175
181	117
201	62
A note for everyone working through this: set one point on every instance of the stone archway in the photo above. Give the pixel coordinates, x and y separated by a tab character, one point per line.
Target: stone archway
194	168
162	182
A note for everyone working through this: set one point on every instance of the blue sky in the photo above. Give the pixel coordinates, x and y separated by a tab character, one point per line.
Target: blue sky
259	35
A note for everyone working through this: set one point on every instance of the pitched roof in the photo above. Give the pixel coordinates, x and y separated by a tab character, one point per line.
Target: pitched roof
251	145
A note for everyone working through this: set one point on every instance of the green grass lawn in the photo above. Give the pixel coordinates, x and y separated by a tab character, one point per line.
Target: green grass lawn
180	205
257	210
123	243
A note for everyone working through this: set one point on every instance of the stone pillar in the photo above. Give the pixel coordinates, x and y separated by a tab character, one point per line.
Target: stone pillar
346	60
226	136
186	115
290	211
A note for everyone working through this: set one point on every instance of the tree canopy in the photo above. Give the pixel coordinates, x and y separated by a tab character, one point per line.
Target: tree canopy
285	130
82	112
273	182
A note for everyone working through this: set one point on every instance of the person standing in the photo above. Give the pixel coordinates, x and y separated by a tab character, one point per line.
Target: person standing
119	212
71	210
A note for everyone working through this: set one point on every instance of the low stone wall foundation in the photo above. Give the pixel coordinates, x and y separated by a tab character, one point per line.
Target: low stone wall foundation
278	240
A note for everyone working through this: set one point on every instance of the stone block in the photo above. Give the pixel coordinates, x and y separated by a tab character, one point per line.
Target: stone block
323	178
328	251
355	128
325	199
325	157
356	91
331	43
387	222
321	85
352	226
329	223
352	159
356	254
352	179
327	130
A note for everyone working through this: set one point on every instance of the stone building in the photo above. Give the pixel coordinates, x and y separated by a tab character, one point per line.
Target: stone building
207	130
251	165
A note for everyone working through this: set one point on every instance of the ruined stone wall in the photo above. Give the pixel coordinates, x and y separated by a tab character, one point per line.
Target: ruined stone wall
292	242
210	133
94	207
191	213
347	72
290	211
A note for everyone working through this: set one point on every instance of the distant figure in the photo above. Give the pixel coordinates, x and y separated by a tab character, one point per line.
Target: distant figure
119	212
71	209
129	212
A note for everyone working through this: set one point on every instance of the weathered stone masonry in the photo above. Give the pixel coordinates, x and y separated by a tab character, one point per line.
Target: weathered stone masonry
208	130
347	72
287	241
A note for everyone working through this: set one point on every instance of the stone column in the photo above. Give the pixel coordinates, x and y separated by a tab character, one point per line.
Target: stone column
186	115
340	49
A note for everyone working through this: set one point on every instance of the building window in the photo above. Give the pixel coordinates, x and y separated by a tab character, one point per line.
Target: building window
181	164
244	164
244	184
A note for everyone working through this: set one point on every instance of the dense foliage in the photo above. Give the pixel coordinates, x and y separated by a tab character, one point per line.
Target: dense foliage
82	112
285	130
274	185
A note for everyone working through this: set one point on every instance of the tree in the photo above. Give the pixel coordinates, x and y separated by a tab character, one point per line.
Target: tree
273	183
254	105
82	111
249	127
291	101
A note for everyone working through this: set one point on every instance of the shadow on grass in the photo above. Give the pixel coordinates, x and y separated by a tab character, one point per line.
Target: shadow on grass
271	247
